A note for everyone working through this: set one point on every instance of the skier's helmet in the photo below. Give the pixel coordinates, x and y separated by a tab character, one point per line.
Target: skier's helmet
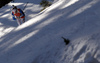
14	7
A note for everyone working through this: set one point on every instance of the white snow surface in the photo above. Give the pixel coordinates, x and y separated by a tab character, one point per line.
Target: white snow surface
38	40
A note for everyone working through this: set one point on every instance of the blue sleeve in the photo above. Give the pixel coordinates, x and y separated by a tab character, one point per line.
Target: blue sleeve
22	12
12	14
13	17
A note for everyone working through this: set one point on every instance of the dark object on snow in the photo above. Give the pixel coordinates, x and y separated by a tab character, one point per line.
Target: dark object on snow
45	3
67	41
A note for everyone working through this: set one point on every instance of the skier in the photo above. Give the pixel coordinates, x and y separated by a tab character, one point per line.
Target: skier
18	15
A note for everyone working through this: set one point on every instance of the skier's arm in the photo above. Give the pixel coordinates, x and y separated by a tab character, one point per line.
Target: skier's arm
13	16
22	13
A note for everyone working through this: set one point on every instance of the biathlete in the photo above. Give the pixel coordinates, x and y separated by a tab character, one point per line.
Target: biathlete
18	15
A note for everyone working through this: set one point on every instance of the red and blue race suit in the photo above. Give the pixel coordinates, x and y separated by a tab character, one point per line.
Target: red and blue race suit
20	14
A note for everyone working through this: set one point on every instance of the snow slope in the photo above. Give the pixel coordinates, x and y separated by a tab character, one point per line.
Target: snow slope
39	40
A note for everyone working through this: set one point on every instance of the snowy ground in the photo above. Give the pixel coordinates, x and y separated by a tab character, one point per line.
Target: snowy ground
39	40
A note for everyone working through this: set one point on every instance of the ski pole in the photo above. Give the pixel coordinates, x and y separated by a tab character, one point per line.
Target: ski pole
25	6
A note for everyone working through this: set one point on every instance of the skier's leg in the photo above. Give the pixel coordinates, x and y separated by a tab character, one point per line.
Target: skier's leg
18	21
23	20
